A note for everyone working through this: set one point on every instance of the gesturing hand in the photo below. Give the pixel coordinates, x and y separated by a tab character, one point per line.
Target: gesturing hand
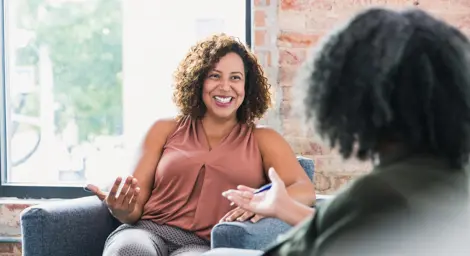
120	203
266	203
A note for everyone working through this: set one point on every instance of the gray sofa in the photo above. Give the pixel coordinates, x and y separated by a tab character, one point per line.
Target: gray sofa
81	226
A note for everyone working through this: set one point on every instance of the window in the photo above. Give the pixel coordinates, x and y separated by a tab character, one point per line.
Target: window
83	79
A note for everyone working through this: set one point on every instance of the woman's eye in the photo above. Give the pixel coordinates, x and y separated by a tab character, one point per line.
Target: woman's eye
214	76
236	77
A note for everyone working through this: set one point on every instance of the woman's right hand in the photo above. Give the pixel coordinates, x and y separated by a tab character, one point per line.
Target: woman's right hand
121	203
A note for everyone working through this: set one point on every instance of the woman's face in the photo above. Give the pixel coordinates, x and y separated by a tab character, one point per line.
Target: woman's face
224	88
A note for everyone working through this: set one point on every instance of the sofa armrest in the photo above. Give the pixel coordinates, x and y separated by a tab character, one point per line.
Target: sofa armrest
248	235
69	227
254	236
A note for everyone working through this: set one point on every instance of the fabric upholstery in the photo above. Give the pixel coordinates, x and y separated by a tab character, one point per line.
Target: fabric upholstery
79	227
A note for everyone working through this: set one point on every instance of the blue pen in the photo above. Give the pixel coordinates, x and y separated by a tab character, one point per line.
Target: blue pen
263	188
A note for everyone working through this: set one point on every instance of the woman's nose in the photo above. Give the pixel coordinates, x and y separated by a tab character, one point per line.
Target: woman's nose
225	85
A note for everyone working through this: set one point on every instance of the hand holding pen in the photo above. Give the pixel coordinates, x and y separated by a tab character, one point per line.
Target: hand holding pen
265	200
263	188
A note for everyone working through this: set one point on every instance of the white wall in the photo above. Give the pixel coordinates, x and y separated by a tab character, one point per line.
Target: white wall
157	35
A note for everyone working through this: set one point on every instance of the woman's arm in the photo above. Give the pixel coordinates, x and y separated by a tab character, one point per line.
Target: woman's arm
147	160
294	212
277	153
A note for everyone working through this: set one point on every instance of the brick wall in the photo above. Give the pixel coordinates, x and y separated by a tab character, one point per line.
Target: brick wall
10	249
10	227
285	29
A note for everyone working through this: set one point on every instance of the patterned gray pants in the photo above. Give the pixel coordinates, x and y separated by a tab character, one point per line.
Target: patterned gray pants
147	238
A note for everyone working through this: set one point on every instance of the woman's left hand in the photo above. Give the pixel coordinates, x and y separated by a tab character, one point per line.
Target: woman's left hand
239	214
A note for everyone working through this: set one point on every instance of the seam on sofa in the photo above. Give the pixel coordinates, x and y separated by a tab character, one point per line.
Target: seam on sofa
236	225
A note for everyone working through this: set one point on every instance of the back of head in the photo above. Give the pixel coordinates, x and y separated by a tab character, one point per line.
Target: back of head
395	76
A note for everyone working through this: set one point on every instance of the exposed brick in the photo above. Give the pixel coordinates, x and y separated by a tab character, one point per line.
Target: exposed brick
334	163
260	18
292	5
10	219
291	57
327	183
296	127
285	108
322	182
16	207
286	93
317	148
322	162
271	73
292	128
300	25
286	75
306	146
262	2
353	6
460	21
292	20
6	248
322	5
10	249
264	57
299	5
338	181
316	21
461	5
448	6
297	40
333	5
260	37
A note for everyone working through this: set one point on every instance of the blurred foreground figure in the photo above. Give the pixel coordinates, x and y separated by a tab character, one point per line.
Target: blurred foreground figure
392	88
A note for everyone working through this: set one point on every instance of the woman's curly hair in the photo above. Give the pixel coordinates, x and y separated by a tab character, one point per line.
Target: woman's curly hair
392	76
201	59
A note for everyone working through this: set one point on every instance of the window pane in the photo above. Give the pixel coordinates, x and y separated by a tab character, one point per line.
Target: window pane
86	78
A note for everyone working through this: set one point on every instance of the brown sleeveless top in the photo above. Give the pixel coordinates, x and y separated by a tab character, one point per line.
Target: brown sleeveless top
190	178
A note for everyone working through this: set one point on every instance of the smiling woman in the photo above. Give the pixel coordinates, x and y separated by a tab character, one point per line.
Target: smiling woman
221	66
174	197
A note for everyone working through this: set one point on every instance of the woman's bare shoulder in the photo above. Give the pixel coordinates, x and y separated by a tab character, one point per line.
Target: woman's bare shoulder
264	132
163	127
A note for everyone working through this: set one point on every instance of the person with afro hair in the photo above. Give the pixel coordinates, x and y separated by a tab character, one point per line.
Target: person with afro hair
393	88
174	197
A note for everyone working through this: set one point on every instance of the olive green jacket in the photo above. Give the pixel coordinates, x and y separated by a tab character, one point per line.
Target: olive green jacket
405	206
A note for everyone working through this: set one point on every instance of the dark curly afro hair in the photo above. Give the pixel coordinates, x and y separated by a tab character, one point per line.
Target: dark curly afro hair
391	76
198	62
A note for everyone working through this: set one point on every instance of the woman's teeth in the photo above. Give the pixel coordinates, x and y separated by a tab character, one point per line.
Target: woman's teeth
223	99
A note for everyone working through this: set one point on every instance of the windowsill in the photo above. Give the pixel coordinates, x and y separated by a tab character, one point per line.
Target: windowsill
19	201
8	240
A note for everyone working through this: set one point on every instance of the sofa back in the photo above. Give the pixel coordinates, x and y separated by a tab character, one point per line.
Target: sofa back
308	165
